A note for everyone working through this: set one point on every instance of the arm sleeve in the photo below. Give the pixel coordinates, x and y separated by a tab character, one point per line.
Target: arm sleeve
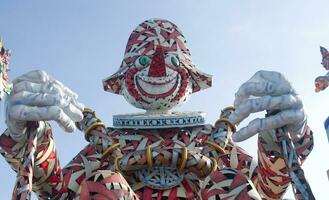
47	174
236	172
49	180
272	175
269	176
48	177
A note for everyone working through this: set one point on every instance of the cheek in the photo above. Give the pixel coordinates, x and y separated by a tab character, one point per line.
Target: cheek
185	77
130	83
129	79
185	80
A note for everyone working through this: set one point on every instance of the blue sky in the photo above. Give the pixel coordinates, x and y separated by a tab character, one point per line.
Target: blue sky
82	42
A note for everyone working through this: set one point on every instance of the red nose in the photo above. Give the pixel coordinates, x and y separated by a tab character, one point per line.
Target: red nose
158	67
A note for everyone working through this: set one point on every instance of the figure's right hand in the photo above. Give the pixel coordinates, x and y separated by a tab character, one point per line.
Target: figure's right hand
36	96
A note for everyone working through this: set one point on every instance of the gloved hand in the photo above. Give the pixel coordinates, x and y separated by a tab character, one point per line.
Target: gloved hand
271	92
36	96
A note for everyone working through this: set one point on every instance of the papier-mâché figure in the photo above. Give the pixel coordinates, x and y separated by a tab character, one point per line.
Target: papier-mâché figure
161	153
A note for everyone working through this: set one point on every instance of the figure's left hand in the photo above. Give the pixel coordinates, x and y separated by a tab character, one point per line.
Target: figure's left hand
271	92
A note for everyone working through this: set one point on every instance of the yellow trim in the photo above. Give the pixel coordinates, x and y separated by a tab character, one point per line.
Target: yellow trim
216	147
233	127
214	165
110	149
88	110
149	157
183	159
99	123
117	166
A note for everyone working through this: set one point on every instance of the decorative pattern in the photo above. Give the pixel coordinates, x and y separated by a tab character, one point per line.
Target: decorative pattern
173	120
80	178
105	184
23	185
229	184
160	178
161	154
301	188
274	173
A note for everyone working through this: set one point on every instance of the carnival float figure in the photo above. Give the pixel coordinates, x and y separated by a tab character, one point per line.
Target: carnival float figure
322	82
162	153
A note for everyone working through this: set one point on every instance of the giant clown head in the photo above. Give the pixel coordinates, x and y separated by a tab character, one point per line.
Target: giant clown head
4	68
157	72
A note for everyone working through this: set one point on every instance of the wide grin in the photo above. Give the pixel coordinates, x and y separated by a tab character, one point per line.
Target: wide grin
157	89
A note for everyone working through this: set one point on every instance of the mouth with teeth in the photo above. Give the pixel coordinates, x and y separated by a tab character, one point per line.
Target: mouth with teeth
157	88
148	89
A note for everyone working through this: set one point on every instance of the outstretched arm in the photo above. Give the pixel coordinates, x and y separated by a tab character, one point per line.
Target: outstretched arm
284	127
36	97
47	176
272	174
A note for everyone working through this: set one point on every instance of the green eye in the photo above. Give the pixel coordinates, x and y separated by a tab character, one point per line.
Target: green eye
144	60
175	61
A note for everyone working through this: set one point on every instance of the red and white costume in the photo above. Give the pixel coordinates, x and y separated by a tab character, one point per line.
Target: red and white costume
160	154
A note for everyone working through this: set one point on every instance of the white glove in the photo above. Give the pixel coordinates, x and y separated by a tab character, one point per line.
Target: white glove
38	97
269	91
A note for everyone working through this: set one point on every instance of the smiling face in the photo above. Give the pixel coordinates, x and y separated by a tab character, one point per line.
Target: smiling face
157	81
157	73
